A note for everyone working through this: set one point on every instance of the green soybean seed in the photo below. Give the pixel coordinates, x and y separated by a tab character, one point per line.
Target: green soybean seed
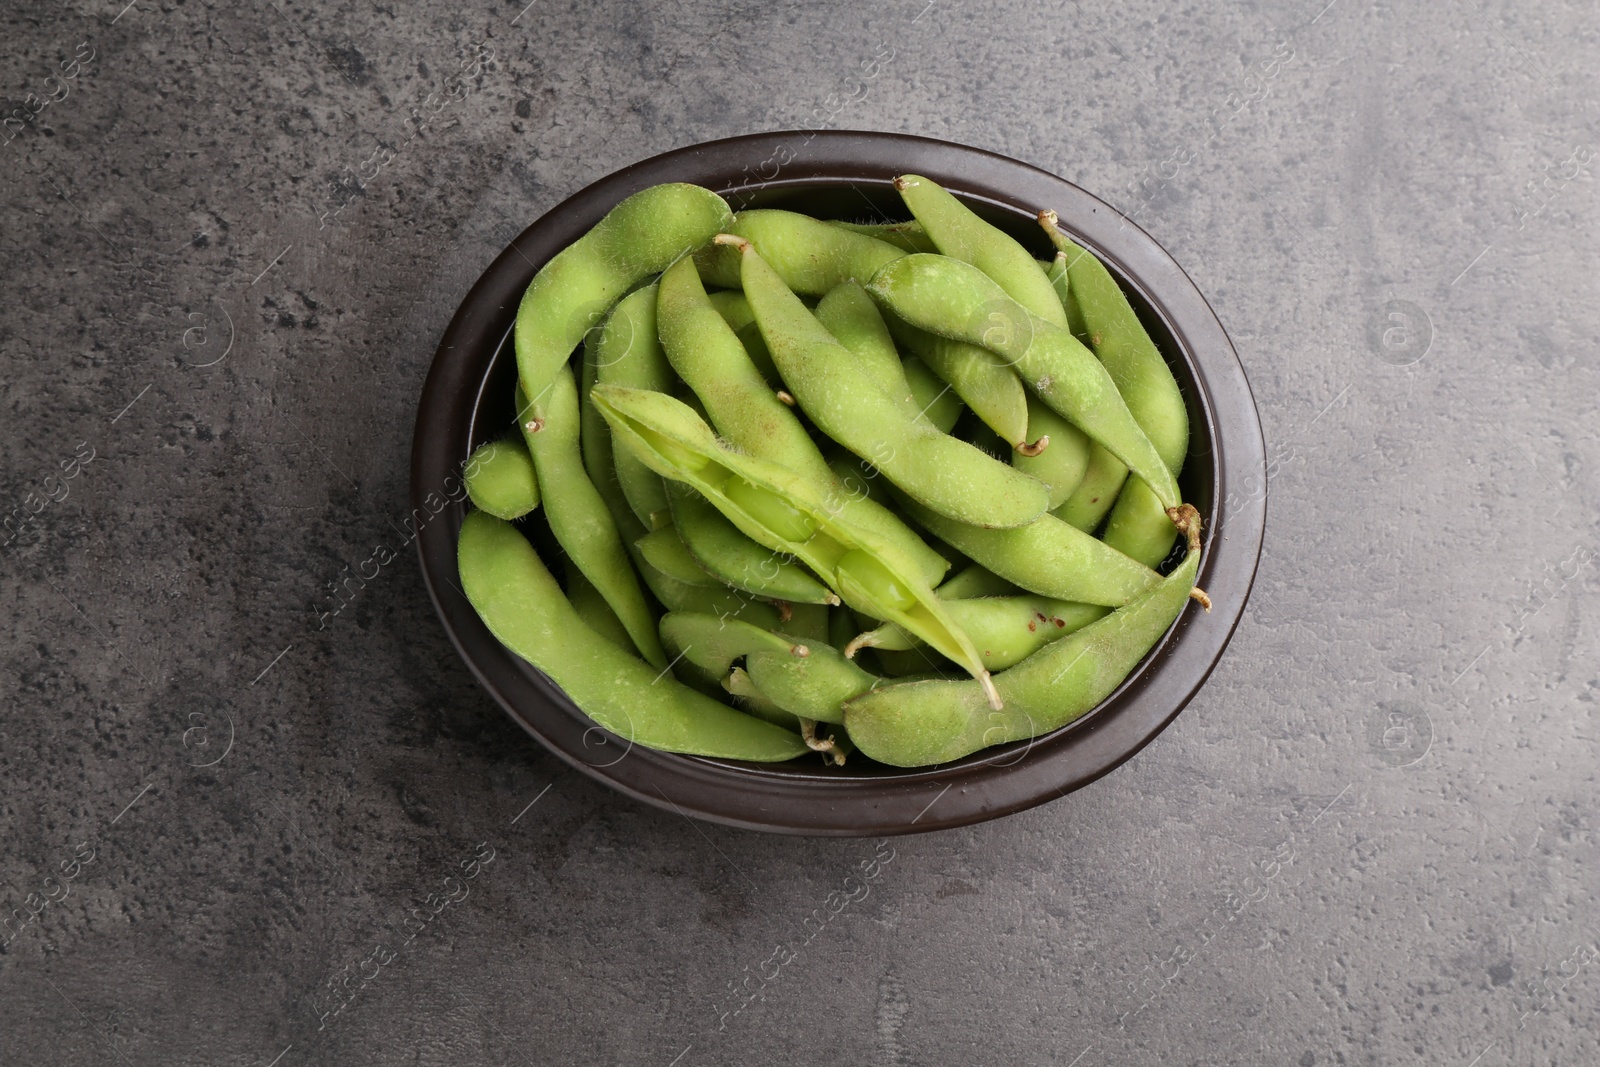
944	295
811	257
573	291
1007	630
629	354
1061	465
742	406
975	580
935	400
666	552
501	481
716	644
811	687
982	381
524	608
962	235
868	571
850	315
721	549
1047	557
907	236
917	724
578	515
946	474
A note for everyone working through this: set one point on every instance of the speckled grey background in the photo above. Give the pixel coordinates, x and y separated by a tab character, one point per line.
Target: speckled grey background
1370	840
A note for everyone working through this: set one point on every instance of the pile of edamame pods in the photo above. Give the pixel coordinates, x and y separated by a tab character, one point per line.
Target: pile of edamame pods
832	487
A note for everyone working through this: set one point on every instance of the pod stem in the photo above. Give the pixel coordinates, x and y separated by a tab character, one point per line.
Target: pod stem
869	639
990	691
1186	517
824	745
1025	449
732	239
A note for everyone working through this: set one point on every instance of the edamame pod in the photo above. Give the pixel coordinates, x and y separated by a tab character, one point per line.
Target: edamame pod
807	622
743	408
1007	630
849	314
944	295
578	515
1047	557
811	257
811	687
501	481
909	236
715	643
1060	466
716	600
946	474
575	289
787	513
1145	381
593	609
598	455
739	686
984	383
962	235
1057	273
1091	501
934	399
629	354
975	580
524	608
665	551
735	311
917	724
718	547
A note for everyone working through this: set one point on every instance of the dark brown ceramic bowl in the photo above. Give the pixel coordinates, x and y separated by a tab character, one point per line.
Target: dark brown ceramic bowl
467	399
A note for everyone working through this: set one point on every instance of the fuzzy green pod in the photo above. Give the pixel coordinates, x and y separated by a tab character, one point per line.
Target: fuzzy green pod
524	608
810	256
501	480
573	291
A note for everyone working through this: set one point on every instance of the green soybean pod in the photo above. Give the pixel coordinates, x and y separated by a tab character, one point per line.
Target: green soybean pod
574	290
665	551
808	622
501	481
982	381
752	700
715	643
1059	281
947	474
719	600
934	399
1091	501
945	295
1007	630
907	236
962	235
787	513
735	311
917	724
1059	454
524	608
718	547
578	515
811	687
594	611
743	408
594	438
975	580
849	314
628	353
1145	381
810	256
1047	557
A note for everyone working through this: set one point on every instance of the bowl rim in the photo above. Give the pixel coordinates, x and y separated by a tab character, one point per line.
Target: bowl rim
783	799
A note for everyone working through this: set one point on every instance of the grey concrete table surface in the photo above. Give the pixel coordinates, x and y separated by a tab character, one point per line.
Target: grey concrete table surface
232	235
